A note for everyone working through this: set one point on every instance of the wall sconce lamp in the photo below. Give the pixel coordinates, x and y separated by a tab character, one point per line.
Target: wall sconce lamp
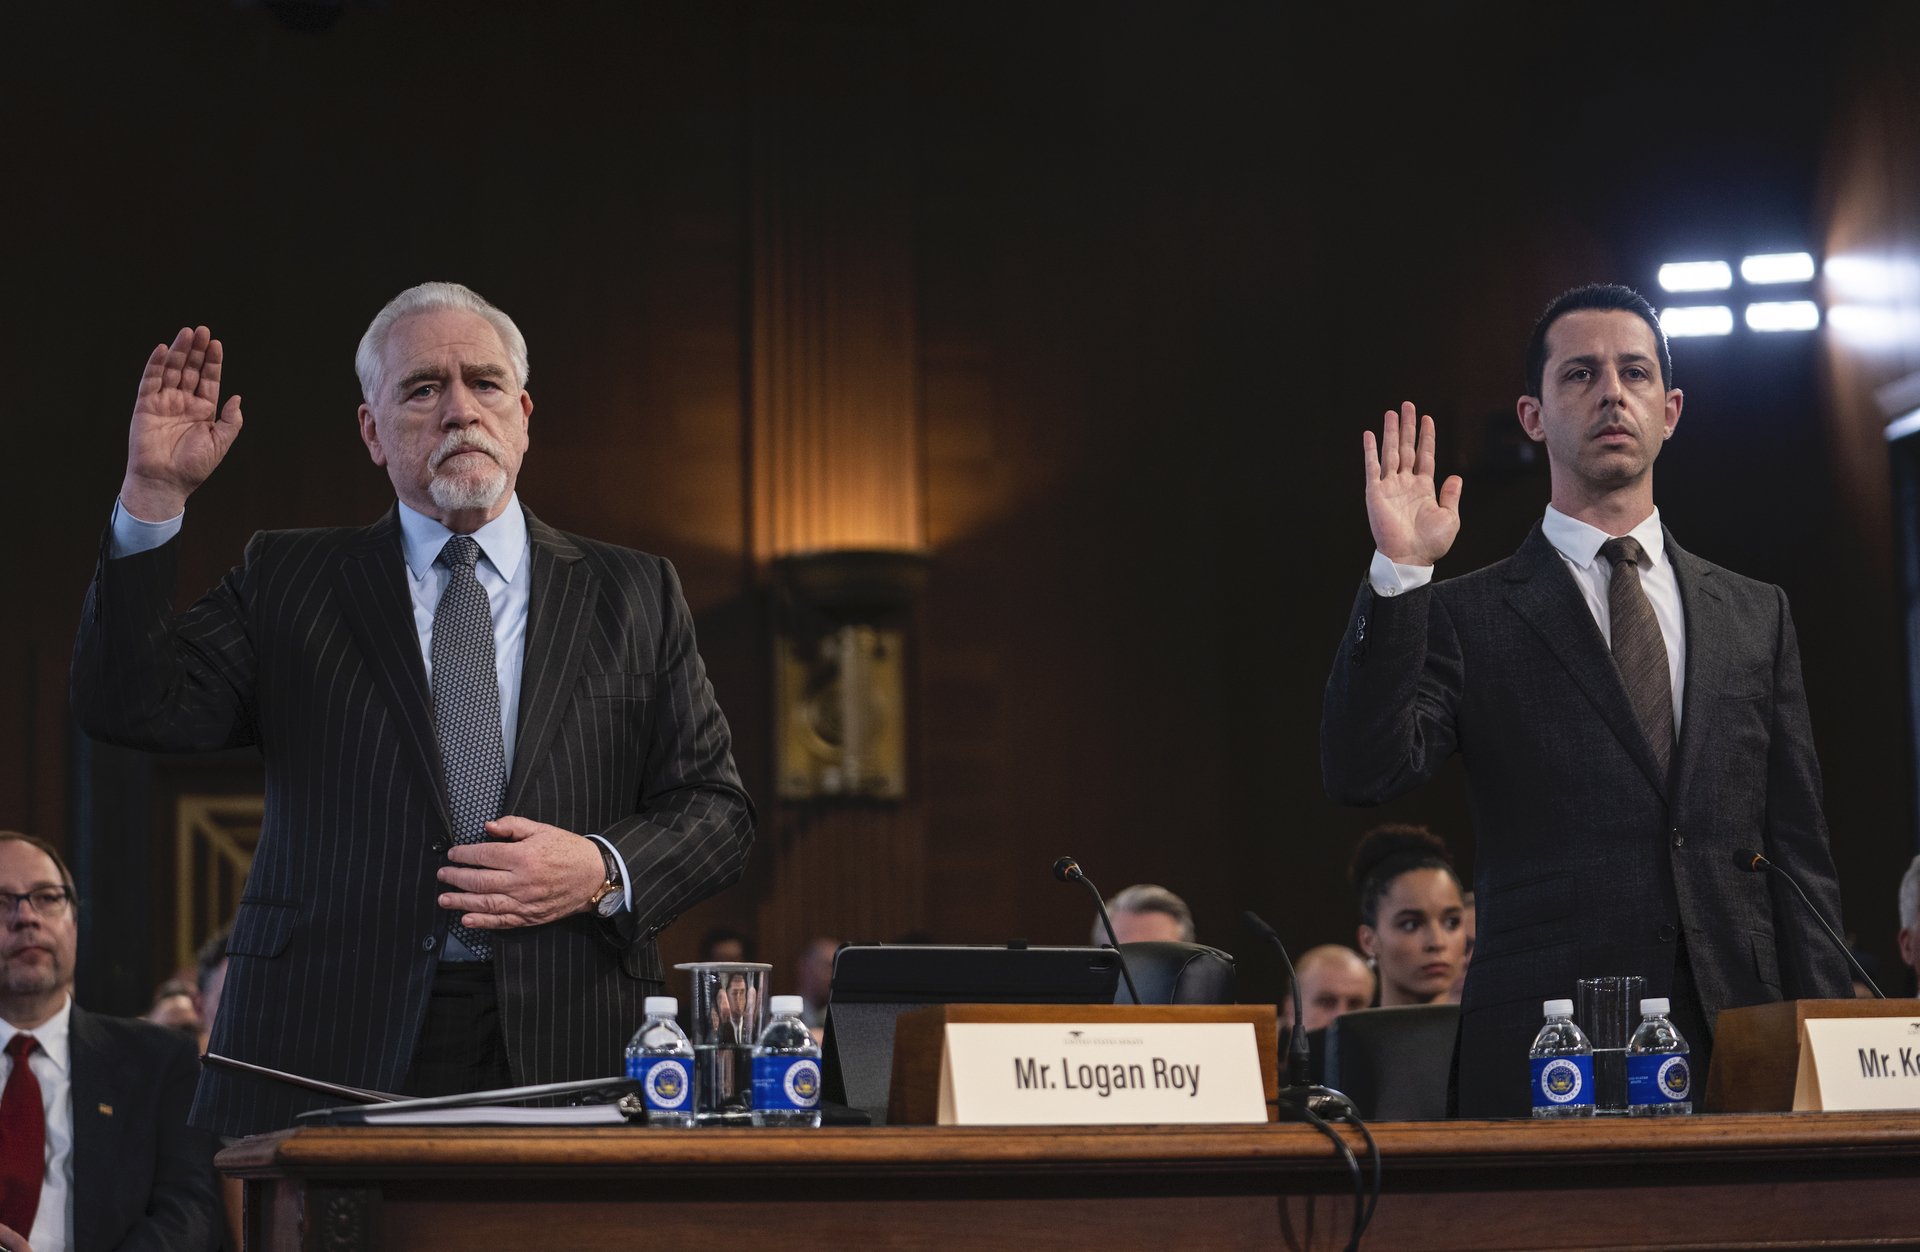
840	672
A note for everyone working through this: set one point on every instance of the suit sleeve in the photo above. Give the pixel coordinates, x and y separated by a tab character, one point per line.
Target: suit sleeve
145	677
1796	835
1390	716
690	837
183	1209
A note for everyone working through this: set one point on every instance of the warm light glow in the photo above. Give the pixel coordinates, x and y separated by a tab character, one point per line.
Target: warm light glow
1696	276
1698	319
1777	267
1783	315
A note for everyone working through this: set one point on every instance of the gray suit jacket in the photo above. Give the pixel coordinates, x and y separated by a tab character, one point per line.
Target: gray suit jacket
1588	862
308	649
142	1178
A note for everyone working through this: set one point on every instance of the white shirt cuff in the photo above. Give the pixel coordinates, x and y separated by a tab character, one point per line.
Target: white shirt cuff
1389	579
626	879
131	536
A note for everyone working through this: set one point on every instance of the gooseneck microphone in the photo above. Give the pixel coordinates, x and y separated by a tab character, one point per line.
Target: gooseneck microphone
1067	869
1753	863
1299	1055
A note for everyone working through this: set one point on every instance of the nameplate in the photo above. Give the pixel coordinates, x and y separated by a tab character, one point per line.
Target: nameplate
1099	1073
1858	1063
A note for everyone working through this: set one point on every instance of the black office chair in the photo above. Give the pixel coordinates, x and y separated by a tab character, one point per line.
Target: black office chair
1393	1063
1178	973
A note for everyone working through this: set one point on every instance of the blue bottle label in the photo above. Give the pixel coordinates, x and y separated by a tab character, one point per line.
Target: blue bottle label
666	1082
1659	1078
1562	1081
786	1082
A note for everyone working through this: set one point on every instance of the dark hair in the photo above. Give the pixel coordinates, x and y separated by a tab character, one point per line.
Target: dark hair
1386	852
719	935
53	854
1593	296
208	956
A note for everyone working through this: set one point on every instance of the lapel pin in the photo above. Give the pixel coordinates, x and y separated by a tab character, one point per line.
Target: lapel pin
106	1110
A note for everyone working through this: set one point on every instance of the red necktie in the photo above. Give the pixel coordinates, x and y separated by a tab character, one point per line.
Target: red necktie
23	1140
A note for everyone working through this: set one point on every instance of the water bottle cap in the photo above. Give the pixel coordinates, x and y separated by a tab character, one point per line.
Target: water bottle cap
787	1004
1558	1008
1655	1004
662	1006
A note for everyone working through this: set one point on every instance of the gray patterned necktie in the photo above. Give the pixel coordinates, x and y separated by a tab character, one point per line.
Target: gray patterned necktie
1639	649
466	708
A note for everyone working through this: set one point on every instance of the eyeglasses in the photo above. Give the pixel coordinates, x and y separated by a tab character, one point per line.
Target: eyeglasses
45	901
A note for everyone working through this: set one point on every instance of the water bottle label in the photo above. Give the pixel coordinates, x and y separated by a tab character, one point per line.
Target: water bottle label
1659	1078
786	1082
666	1082
1560	1081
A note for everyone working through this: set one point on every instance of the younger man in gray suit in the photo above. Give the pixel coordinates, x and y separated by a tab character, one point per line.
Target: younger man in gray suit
1630	715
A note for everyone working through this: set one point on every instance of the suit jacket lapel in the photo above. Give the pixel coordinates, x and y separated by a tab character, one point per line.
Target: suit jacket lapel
96	1134
1542	592
1709	625
559	617
374	601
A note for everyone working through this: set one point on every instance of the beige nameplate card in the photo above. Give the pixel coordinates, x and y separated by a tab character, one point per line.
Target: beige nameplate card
1099	1073
1858	1063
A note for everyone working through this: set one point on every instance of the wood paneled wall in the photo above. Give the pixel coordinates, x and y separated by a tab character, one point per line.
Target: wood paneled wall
1093	301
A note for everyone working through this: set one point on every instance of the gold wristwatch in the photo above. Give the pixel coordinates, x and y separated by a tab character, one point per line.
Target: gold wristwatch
606	901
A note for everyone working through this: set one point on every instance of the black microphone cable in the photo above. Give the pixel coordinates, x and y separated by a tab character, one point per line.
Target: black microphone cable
1308	1100
1753	863
1067	869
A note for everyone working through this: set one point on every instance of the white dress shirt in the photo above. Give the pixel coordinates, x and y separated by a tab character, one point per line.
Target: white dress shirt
52	1064
1579	547
503	571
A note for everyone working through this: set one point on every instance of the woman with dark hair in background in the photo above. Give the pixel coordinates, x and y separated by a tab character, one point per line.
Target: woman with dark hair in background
1412	916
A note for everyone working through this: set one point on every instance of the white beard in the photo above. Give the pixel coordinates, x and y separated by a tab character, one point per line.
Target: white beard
478	488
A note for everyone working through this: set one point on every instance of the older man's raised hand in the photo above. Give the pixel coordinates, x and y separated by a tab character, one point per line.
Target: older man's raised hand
179	431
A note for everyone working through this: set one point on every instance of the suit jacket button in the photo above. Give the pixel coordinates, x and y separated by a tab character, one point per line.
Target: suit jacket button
1667	932
440	847
426	945
1679	840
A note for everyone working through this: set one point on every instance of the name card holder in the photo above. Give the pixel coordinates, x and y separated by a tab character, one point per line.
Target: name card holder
1858	1063
1758	1050
1098	1060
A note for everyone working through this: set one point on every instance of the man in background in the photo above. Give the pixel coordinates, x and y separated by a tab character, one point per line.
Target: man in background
1333	980
1145	913
95	1151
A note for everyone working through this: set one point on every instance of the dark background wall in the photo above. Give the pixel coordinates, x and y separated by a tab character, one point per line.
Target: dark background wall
1168	262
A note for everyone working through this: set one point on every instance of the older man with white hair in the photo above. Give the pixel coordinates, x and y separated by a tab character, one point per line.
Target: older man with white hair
495	768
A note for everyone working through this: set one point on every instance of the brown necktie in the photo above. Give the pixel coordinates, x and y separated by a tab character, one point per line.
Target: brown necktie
1639	649
23	1140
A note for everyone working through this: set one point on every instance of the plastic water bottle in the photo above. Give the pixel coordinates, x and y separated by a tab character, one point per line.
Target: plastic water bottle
1562	1065
660	1059
1659	1070
786	1069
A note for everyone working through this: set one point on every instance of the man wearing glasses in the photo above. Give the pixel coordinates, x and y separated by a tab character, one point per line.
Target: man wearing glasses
95	1151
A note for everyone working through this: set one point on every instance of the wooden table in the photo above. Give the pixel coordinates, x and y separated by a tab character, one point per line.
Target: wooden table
1748	1180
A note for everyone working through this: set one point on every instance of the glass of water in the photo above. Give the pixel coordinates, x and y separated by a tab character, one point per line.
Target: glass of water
1606	1009
729	1008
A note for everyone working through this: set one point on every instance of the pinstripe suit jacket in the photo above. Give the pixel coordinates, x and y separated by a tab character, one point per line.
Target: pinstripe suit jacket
1588	861
308	649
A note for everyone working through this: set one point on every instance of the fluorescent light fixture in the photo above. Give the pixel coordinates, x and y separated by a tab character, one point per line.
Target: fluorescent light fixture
1778	267
1697	319
1696	276
1904	425
1868	279
1783	315
1874	327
